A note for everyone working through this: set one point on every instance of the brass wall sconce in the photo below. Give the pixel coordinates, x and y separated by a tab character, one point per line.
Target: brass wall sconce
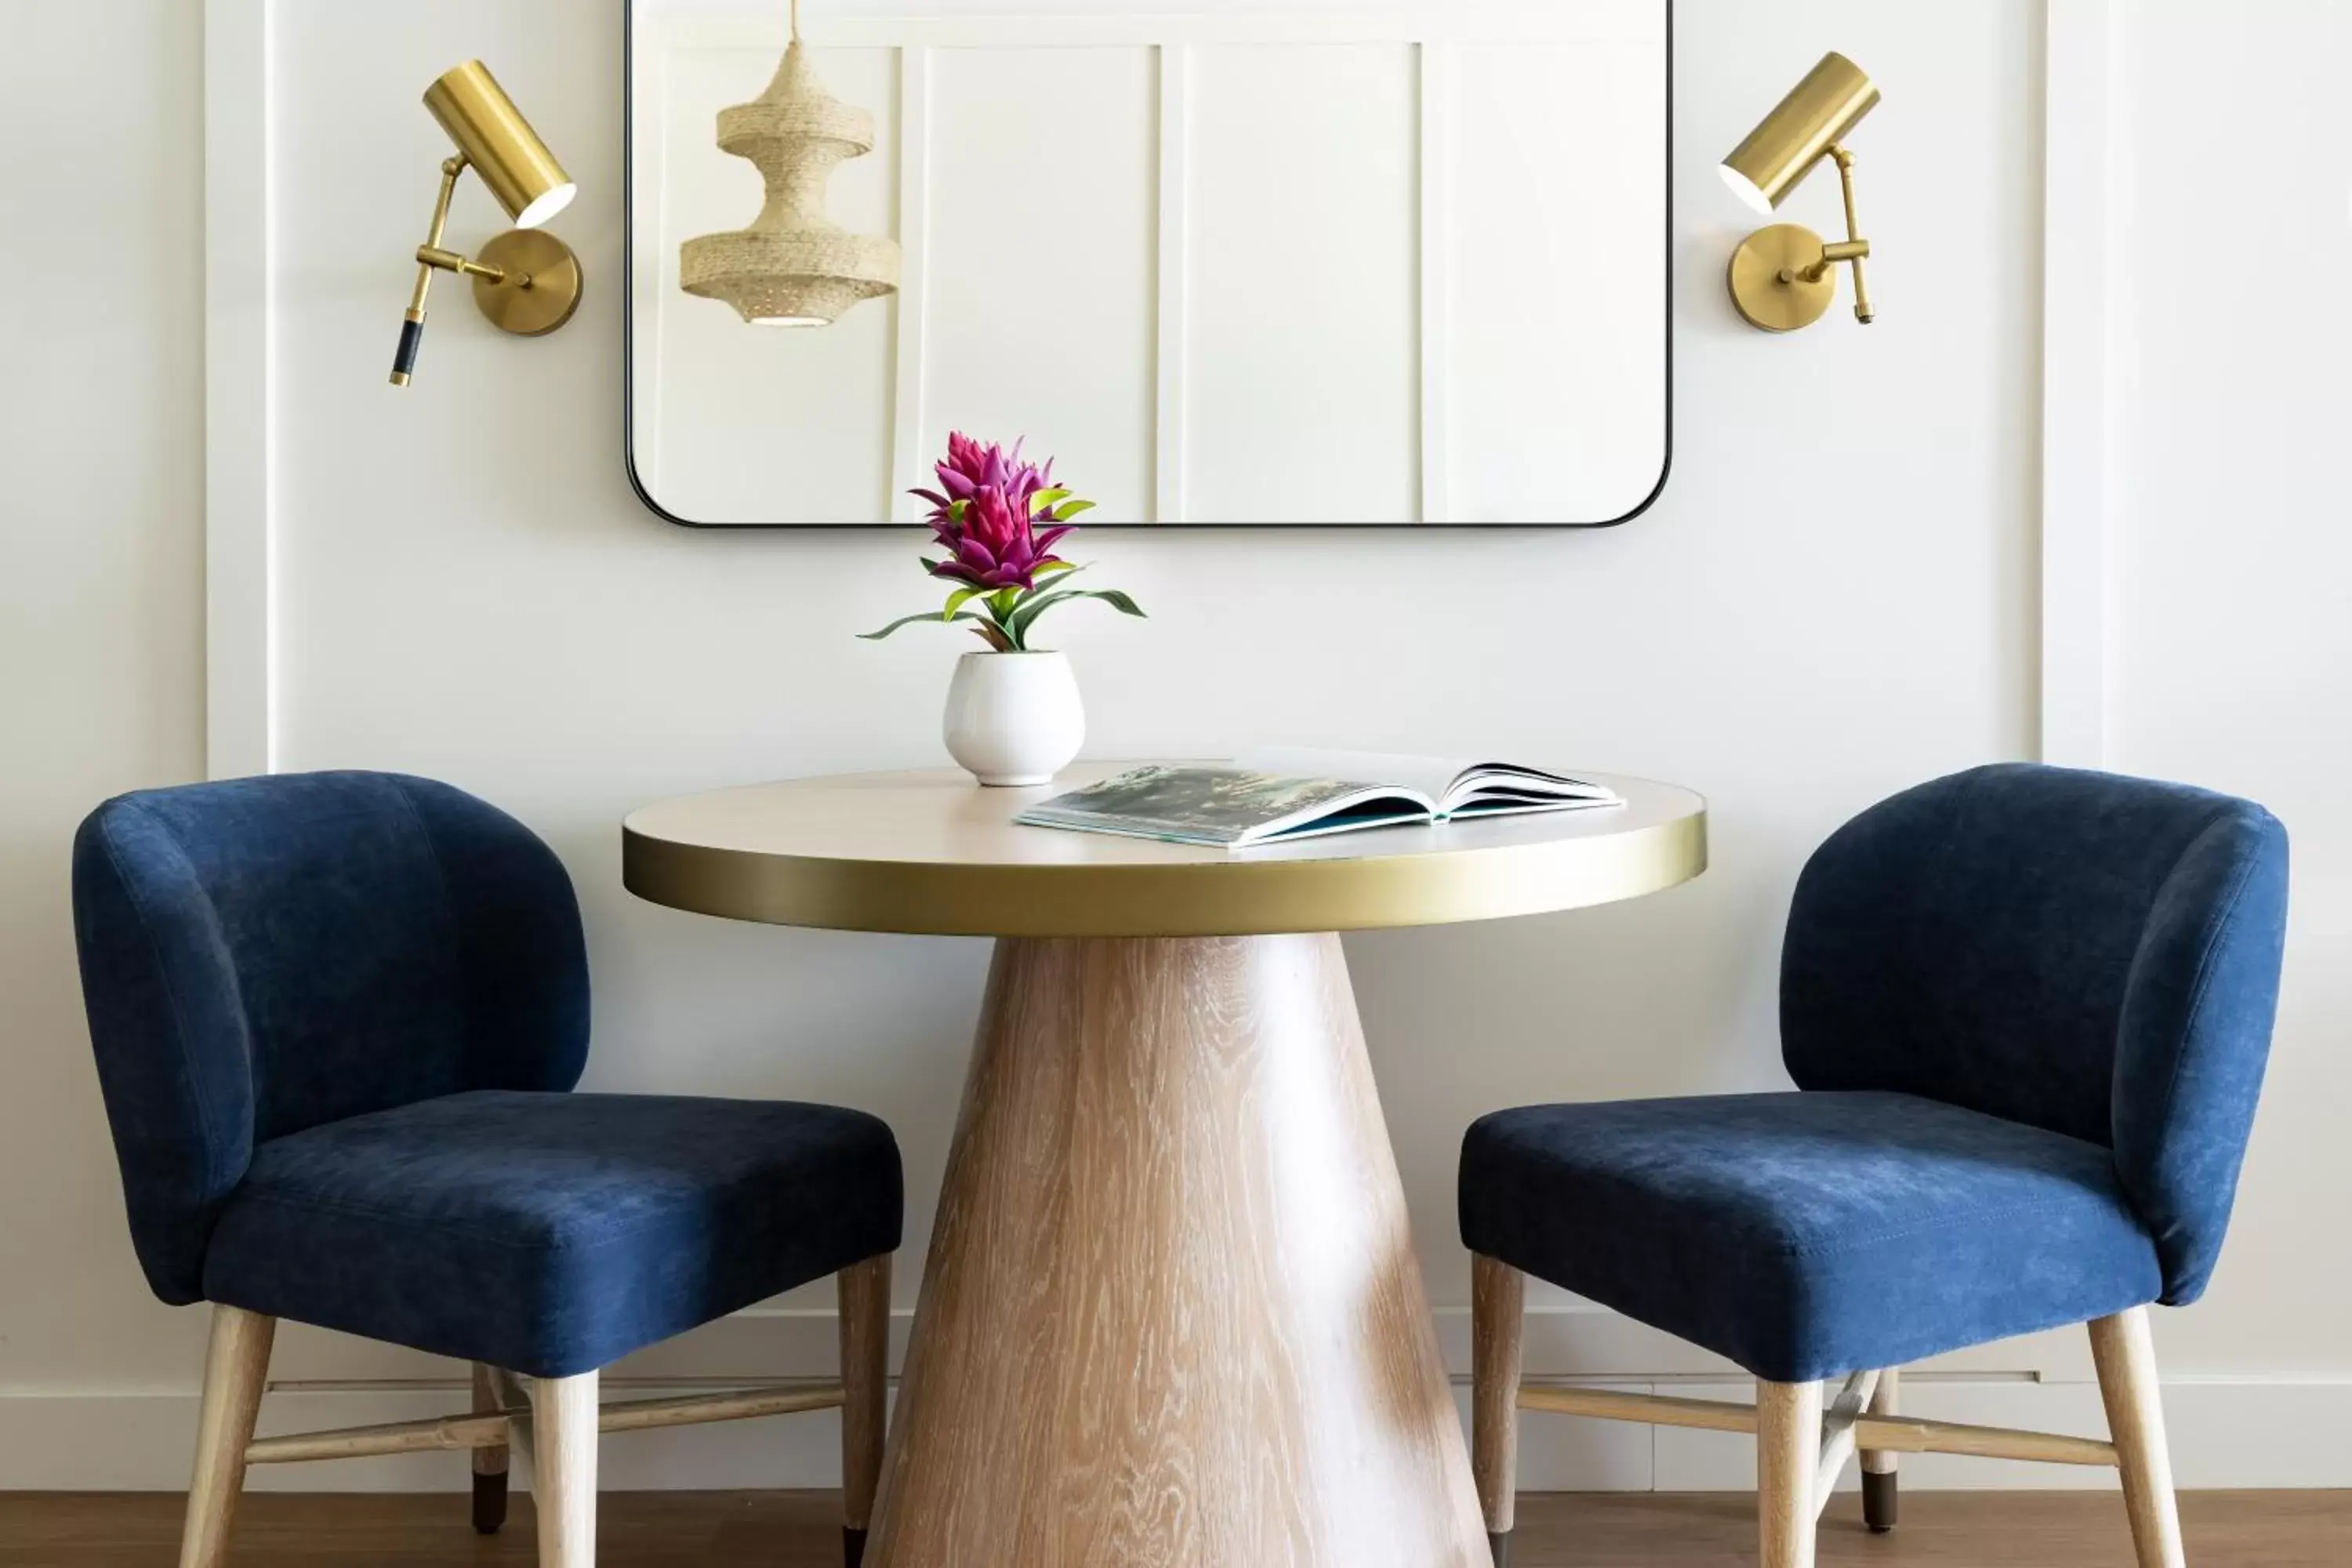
525	280
1784	277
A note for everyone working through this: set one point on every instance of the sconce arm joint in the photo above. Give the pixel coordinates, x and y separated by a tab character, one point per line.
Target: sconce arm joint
1853	249
464	265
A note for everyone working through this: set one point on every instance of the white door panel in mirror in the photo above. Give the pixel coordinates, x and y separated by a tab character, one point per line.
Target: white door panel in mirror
1556	406
1303	388
1041	310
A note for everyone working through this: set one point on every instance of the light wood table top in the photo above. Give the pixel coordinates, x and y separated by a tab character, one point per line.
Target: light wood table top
933	853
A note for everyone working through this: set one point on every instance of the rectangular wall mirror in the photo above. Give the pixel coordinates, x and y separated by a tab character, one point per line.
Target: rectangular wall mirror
1229	264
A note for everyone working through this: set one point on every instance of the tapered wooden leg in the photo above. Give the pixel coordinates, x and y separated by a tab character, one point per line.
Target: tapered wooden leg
2125	1352
236	1365
1788	1456
489	1464
1880	1499
864	1302
1172	1316
1497	1316
563	1480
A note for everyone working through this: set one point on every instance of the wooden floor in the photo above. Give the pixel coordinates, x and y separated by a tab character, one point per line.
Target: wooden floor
801	1530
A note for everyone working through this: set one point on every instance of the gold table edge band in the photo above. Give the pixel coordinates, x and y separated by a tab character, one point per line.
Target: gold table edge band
1266	898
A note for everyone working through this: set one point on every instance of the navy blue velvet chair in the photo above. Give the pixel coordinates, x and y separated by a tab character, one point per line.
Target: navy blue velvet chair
338	1017
2027	1010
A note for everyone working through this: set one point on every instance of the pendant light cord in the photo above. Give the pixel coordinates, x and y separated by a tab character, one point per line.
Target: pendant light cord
796	21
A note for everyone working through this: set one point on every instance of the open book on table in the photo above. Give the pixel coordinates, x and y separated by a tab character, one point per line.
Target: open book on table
1278	793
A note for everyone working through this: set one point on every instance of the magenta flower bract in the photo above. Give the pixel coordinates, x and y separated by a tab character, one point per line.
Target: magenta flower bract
985	515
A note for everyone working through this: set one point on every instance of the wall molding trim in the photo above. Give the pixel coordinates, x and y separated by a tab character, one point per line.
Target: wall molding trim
240	617
909	462
1436	155
1171	398
2273	1432
2082	66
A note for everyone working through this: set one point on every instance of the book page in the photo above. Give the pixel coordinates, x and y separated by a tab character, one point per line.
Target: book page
1480	788
1432	776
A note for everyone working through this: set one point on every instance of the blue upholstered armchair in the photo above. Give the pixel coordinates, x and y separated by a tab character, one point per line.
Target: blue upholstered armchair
338	1017
2028	1011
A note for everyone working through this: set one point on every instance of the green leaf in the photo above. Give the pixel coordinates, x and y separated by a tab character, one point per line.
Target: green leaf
956	509
1002	603
1051	567
1118	601
1048	499
1039	606
958	600
1069	509
932	616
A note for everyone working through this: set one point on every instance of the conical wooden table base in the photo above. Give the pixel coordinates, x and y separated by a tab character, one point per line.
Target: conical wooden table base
1172	1316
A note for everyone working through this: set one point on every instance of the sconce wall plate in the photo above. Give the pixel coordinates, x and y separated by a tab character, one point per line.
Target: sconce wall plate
542	286
1769	285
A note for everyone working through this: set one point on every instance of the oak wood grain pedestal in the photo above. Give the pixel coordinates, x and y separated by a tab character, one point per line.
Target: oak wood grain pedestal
1172	1316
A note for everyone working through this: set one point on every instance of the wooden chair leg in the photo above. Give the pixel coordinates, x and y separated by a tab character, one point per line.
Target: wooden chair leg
1497	1315
1880	1500
1788	1456
864	1299
2124	1354
236	1365
490	1465
563	1478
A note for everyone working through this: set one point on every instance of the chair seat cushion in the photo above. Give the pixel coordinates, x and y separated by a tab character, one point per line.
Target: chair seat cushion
551	1234
1807	1235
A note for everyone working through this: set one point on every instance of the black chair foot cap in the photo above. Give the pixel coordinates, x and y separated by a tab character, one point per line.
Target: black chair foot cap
1878	1498
489	1503
853	1546
1500	1545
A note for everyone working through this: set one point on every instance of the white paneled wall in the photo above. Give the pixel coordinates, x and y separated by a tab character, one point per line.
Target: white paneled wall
1296	264
1836	596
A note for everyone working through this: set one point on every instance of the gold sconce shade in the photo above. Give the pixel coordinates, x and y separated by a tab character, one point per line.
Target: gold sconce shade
795	267
501	144
1784	277
1819	112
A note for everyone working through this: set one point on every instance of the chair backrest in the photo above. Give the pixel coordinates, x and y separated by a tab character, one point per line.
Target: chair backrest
264	956
2087	953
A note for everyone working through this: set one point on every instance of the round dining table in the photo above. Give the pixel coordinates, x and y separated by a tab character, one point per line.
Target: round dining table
1171	1315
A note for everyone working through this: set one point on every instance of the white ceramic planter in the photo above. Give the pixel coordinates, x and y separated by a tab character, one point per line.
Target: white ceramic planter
1014	718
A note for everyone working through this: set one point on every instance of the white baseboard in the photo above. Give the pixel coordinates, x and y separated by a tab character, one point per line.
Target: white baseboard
2250	1432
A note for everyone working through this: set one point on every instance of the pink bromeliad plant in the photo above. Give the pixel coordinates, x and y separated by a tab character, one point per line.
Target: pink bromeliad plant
998	520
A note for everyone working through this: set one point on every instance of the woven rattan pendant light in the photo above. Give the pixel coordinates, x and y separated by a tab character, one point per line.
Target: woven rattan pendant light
795	267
